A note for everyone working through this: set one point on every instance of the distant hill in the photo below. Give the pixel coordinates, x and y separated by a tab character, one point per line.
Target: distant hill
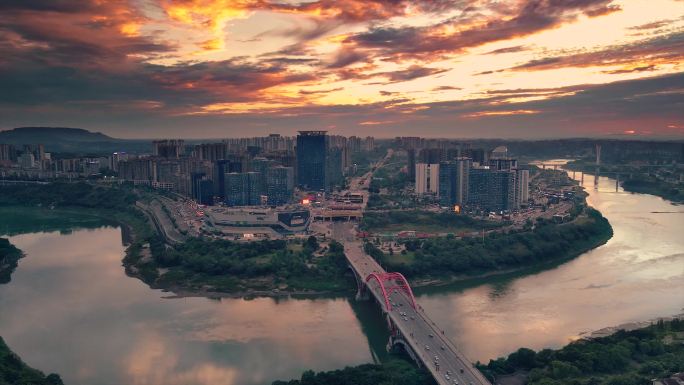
71	140
49	134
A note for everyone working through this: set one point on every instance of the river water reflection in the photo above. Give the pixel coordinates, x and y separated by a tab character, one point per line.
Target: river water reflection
71	309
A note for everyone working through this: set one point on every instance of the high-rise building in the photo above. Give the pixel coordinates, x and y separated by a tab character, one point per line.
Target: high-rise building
221	168
211	151
354	144
491	190
503	164
368	144
167	171
311	160
168	148
7	153
500	152
38	151
138	170
427	178
27	160
522	181
453	182
431	155
279	185
333	168
116	158
236	188
202	188
411	166
479	156
243	189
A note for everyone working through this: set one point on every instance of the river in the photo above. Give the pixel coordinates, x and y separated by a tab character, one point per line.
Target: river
70	308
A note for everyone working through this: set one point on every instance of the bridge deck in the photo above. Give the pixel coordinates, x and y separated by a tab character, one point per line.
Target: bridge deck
427	341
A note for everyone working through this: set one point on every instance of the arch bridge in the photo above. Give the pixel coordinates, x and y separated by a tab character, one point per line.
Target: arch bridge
410	326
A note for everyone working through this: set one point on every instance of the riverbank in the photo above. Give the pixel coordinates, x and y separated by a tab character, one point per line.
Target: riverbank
625	357
395	371
13	371
220	268
9	258
443	261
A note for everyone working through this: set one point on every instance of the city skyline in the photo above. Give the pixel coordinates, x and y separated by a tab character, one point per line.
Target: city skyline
211	69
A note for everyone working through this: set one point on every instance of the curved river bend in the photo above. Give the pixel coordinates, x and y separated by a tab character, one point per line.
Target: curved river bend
71	309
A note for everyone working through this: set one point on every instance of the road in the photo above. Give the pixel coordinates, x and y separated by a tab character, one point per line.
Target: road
438	354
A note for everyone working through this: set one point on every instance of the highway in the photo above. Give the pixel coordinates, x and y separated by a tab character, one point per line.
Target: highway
428	342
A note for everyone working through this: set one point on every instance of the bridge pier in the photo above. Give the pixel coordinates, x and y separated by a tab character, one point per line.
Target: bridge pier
361	292
400	341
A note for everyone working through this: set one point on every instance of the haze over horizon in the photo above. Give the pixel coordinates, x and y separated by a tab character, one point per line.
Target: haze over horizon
522	69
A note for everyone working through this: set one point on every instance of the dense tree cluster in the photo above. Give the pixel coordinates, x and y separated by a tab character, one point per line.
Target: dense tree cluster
226	263
13	371
394	372
67	194
624	358
668	191
420	219
453	256
9	256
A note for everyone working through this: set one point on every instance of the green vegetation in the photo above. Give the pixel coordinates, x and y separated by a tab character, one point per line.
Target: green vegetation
394	372
24	219
451	256
624	358
424	221
13	371
669	191
66	205
9	257
226	266
67	194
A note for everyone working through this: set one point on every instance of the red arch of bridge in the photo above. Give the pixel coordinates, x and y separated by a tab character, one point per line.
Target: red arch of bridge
399	283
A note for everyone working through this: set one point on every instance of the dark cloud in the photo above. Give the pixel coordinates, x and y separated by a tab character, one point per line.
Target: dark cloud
602	11
413	72
364	10
76	63
593	110
304	92
650	67
531	17
67	6
653	25
517	48
446	88
661	49
346	56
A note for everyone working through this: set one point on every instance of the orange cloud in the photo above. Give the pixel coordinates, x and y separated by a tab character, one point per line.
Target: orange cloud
375	122
481	114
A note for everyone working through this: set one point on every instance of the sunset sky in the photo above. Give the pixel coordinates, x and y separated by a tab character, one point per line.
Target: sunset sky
463	68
